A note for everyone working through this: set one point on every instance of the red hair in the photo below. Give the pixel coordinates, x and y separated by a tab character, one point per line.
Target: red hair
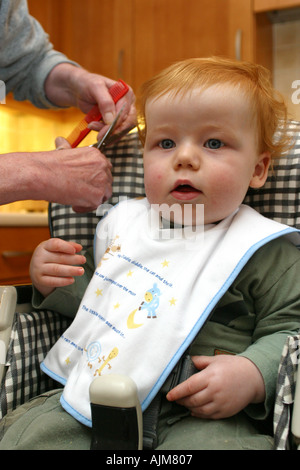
268	108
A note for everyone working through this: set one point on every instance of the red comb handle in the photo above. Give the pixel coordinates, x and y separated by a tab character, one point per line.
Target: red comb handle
117	91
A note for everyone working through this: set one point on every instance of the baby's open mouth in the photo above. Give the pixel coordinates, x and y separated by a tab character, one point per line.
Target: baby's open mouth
185	188
185	192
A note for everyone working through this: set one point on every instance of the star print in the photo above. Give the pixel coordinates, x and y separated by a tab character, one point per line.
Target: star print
165	263
117	305
129	274
172	301
67	361
98	292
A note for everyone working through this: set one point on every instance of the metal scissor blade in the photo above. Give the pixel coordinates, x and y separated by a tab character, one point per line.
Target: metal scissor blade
102	142
116	137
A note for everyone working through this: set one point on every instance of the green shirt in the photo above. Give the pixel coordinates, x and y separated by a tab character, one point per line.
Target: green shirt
253	319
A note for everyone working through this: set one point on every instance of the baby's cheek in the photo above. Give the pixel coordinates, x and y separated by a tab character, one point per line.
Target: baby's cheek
154	179
152	188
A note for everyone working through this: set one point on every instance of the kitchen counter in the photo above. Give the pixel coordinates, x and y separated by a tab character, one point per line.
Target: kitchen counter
23	219
20	234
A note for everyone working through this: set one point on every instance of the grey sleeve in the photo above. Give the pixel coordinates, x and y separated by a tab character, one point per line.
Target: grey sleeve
26	54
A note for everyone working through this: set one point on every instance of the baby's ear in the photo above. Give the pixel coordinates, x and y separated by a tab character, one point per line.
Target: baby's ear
260	173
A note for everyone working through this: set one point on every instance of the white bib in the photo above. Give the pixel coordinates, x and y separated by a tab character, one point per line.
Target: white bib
148	298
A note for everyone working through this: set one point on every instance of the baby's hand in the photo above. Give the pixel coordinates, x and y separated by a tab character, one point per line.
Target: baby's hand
53	264
224	386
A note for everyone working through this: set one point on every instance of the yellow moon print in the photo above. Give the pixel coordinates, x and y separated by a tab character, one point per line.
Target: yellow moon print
130	321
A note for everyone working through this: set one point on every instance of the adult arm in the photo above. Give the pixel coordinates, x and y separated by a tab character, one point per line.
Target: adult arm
26	54
34	71
79	177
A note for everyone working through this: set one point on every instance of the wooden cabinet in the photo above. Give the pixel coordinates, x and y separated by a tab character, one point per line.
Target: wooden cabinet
249	33
133	39
268	5
17	245
98	34
171	30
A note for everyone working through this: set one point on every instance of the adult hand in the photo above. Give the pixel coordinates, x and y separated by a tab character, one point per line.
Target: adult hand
68	85
79	177
62	144
89	179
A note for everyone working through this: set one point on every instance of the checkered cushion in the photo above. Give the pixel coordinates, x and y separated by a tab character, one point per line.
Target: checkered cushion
33	334
279	199
285	392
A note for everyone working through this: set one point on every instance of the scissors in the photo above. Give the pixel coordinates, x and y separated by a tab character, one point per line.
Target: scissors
108	138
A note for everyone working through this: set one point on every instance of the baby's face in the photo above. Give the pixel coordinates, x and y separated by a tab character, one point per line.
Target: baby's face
201	148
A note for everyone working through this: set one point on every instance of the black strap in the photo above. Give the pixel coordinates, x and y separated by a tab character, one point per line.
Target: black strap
182	371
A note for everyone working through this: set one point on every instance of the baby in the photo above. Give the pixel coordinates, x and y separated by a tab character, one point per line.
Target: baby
228	296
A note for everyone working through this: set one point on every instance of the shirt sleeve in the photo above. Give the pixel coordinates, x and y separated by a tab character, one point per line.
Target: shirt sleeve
26	54
278	315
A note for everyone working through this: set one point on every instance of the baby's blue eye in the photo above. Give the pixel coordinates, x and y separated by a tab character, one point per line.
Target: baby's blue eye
167	144
213	144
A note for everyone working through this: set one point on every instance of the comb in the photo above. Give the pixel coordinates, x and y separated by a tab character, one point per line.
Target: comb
117	91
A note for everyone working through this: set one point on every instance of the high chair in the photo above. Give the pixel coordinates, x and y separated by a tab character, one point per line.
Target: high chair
26	335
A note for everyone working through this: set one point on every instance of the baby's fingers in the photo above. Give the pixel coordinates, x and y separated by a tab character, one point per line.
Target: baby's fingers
57	245
62	252
65	259
59	275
